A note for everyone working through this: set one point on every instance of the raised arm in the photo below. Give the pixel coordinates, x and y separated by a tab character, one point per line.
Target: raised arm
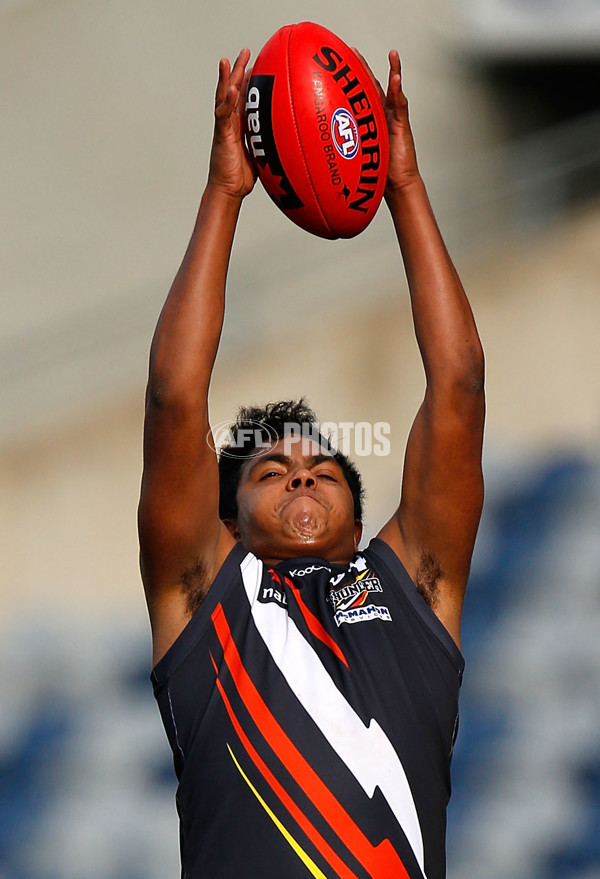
433	531
182	541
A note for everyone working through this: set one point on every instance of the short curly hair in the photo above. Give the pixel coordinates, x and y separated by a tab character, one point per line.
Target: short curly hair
269	423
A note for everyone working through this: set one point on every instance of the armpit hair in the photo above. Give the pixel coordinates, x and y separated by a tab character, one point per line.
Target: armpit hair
194	581
428	576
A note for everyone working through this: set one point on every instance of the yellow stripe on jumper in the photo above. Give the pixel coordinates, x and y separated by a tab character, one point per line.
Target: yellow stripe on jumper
306	859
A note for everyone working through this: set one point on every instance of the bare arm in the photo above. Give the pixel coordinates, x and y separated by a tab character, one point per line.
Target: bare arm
433	531
182	541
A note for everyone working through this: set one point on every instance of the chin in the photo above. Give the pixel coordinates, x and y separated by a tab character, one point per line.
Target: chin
306	531
300	542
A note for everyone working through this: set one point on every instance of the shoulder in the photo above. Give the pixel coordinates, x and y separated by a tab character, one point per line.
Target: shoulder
226	587
417	610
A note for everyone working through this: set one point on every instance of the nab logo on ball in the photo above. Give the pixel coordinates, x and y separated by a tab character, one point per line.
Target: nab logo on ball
344	132
316	130
261	143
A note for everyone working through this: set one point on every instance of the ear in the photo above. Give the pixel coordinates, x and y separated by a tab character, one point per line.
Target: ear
358	530
231	525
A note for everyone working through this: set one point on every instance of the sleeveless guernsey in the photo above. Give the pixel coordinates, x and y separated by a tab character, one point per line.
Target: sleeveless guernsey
312	710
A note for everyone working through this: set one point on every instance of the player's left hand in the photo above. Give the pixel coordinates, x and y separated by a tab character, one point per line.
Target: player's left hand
403	168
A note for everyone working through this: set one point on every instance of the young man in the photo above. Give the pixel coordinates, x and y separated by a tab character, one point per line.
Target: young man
309	691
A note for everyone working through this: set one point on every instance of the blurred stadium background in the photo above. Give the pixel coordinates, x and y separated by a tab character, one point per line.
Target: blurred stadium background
106	129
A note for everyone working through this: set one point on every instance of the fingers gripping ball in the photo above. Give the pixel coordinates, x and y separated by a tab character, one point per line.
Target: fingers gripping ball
316	129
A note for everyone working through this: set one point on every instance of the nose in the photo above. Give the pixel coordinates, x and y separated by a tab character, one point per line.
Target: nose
301	479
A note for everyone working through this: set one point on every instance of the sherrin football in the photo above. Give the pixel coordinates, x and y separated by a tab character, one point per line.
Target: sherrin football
317	131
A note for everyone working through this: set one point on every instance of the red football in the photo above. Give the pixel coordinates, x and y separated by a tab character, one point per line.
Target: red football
315	127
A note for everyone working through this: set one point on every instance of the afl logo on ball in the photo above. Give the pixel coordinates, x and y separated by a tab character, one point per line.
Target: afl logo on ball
344	132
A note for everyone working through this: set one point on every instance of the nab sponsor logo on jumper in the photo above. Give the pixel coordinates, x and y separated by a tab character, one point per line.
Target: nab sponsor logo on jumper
332	62
274	593
349	598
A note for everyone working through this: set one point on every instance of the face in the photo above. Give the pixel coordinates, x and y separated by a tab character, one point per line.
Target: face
294	500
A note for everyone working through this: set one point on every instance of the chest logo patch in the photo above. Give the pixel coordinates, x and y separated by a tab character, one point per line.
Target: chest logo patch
351	595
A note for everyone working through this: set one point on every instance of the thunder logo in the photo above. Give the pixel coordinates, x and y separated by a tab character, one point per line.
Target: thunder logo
355	593
350	600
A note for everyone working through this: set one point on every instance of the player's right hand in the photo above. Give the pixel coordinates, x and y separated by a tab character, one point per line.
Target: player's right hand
231	169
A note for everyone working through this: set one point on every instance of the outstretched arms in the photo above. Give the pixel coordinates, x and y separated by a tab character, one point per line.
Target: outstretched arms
433	531
182	541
